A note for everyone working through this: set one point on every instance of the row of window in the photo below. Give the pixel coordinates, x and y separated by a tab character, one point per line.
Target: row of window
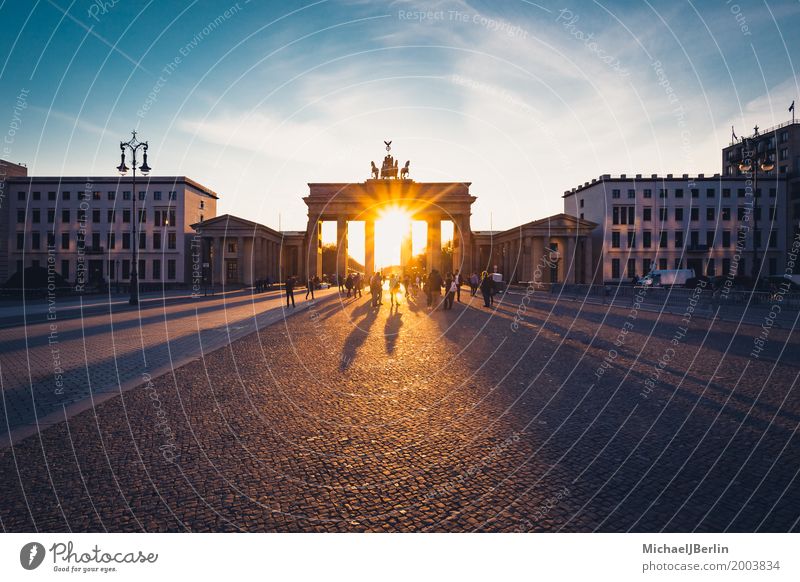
616	193
679	241
97	271
739	153
96	195
36	238
161	217
663	263
627	214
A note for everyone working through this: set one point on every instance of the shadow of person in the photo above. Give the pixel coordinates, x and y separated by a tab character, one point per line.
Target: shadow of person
391	330
358	335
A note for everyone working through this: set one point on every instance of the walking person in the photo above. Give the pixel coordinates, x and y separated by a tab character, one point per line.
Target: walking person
289	284
435	284
376	289
348	283
310	288
394	290
449	291
457	281
358	285
487	287
407	285
473	283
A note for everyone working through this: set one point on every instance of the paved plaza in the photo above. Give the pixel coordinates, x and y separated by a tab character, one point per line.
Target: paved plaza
533	415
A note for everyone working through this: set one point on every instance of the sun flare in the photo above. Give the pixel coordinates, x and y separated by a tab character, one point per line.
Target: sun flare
391	228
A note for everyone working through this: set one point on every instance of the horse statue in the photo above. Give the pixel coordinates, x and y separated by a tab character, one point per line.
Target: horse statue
404	170
374	171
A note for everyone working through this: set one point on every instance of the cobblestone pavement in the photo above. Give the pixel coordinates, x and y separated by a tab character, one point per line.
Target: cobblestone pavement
532	416
60	358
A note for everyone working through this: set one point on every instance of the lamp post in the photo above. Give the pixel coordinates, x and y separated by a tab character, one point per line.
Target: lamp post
747	165
134	145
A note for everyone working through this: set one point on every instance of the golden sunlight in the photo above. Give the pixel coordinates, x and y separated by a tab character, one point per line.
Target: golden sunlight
392	227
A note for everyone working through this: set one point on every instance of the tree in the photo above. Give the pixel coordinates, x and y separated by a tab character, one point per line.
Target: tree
329	256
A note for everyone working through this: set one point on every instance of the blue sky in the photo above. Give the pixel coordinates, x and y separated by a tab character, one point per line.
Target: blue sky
523	99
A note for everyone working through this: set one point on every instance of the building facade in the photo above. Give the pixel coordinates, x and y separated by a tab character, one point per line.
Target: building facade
84	227
7	170
716	225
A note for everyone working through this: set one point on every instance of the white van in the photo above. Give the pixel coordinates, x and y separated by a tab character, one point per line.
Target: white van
666	277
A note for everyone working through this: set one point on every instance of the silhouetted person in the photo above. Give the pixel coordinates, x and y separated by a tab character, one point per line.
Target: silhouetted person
449	291
289	290
310	287
435	286
358	285
487	287
457	281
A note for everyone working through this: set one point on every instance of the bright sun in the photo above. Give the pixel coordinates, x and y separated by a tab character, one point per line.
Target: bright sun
392	225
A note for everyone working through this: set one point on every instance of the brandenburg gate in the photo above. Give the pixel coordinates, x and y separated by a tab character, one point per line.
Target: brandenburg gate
431	202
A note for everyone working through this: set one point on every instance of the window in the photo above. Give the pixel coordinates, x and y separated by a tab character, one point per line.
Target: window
143	240
173	195
773	266
709	238
142	216
647	193
773	239
695	192
126	215
662	192
81	215
20	241
662	214
36	216
96	195
51	215
772	192
20	217
156	241
784	154
726	239
65	195
36	241
171	264
647	214
662	242
678	192
126	195
126	240
172	218
631	268
631	239
678	239
156	269
679	214
646	266
619	214
65	269
710	213
64	241
726	267
65	215
156	195
111	216
581	203
772	213
95	240
171	241
710	192
647	237
662	263
711	269
20	196
740	213
615	193
694	239
726	192
96	216
126	268
51	196
740	193
726	213
615	240
631	194
232	246
694	214
111	240
142	195
81	196
112	195
142	272
615	268
37	195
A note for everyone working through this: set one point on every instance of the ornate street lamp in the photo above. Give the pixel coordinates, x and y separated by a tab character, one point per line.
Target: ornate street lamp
133	145
747	165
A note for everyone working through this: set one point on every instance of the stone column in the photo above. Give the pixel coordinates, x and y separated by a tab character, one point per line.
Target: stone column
218	268
457	244
525	260
588	262
434	244
240	259
341	246
467	260
369	247
570	266
537	268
